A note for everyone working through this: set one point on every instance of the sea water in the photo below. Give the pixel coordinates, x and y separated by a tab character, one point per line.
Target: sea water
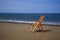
50	18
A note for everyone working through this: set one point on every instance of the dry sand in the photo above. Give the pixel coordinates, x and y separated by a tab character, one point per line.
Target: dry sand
16	31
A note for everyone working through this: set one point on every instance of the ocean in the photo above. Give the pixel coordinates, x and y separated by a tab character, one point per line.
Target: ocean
50	18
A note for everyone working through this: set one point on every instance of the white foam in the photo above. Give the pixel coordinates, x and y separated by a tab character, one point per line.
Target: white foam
19	21
51	23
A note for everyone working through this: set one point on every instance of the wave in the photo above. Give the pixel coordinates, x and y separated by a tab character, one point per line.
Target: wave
20	21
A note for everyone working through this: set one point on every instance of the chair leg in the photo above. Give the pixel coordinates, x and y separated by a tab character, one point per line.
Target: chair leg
41	28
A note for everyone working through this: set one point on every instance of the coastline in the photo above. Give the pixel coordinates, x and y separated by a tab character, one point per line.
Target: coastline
32	23
27	22
20	31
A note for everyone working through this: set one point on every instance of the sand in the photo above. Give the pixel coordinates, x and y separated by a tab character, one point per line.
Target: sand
17	31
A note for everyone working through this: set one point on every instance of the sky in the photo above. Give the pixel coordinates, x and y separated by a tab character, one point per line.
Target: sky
29	6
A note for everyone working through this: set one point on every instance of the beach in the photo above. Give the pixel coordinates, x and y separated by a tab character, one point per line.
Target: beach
18	31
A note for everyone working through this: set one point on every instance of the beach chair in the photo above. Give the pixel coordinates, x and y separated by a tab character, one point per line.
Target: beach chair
37	24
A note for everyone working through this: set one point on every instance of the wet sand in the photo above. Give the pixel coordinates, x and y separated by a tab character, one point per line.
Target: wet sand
17	31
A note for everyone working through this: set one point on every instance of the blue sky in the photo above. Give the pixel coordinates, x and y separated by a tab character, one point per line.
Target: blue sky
29	6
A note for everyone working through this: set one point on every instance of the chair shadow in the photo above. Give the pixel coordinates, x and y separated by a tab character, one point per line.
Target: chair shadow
44	30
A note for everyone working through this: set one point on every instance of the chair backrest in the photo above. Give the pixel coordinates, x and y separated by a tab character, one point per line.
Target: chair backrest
41	19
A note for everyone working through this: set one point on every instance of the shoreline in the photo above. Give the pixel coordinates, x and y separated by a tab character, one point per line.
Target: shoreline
30	23
27	22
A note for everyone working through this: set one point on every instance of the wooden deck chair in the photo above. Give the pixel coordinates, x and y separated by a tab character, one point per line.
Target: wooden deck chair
38	24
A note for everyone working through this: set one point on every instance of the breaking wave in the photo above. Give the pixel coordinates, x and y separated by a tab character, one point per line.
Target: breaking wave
30	22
